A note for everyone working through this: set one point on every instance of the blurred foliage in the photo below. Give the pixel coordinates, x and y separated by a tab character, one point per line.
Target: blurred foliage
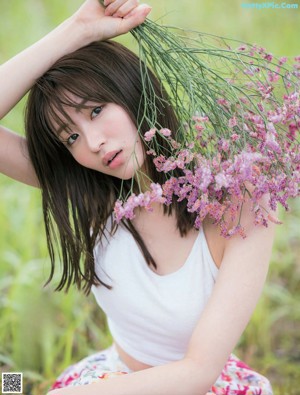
41	332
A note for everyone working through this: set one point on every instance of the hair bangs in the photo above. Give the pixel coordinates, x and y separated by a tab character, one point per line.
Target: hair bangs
72	89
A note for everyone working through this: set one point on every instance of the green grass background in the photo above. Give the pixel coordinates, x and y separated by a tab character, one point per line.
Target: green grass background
41	331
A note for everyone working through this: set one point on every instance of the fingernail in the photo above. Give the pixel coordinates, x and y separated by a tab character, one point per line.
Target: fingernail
147	8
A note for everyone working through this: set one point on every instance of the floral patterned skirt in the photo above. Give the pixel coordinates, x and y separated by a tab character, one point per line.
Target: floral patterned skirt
236	378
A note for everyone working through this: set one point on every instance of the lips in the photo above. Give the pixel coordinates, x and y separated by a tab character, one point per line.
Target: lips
109	157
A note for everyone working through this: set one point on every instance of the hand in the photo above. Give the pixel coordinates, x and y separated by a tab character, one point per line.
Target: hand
117	18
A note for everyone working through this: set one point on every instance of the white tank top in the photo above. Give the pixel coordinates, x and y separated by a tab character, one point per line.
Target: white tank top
151	316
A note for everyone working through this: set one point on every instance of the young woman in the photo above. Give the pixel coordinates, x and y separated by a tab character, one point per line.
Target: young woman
177	299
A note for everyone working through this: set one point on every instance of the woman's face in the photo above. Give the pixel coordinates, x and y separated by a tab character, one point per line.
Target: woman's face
103	137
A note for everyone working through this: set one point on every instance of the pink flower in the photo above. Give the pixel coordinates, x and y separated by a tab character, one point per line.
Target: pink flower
232	122
199	118
119	211
260	107
148	136
166	132
223	102
234	137
146	200
217	165
159	162
271	141
237	230
275	117
222	181
175	144
282	60
251	70
293	128
273	77
244	100
268	57
151	152
199	127
224	145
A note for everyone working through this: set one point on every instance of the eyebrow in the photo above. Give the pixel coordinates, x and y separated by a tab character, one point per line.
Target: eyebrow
61	129
78	108
81	105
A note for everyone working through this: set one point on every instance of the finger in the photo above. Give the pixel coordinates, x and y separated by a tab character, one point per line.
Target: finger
126	9
135	18
141	11
112	6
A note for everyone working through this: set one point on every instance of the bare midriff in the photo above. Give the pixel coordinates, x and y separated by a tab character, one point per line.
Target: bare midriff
129	361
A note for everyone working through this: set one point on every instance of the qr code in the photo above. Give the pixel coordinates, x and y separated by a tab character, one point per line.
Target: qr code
12	383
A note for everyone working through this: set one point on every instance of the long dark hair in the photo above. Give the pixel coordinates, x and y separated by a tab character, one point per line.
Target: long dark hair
78	201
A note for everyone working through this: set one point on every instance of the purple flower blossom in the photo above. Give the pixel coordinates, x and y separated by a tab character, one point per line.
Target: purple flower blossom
148	136
234	137
282	60
166	132
219	170
146	200
222	180
268	57
232	122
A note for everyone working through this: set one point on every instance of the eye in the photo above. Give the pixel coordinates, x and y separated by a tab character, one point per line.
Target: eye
96	111
72	138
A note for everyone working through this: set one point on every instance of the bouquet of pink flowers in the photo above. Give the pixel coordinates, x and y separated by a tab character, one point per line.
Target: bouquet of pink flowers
239	111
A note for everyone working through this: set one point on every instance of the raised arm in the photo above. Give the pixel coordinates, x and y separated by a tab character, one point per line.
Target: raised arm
90	23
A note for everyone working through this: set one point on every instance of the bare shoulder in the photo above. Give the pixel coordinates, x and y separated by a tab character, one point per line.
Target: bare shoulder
218	244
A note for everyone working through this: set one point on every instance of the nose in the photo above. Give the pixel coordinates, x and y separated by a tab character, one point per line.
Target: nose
95	138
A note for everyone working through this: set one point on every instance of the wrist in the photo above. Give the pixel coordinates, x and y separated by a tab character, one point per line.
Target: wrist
72	35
